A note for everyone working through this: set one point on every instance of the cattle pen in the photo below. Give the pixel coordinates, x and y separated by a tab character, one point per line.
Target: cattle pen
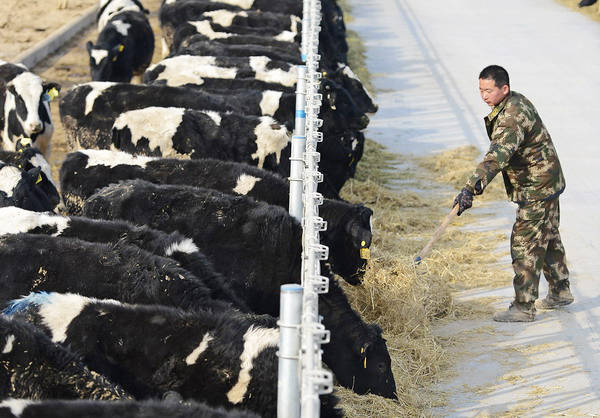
409	195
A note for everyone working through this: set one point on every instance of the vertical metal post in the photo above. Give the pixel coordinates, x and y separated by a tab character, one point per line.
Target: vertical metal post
305	29
296	206
288	380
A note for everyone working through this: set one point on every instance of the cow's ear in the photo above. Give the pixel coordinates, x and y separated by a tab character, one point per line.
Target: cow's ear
50	86
33	176
11	88
361	237
114	53
89	46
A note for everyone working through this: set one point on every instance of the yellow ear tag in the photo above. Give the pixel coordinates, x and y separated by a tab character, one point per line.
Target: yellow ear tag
52	93
25	141
365	253
121	48
362	350
365	362
39	179
363	243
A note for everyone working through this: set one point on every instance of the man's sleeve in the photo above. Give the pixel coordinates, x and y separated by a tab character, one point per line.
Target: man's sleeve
506	138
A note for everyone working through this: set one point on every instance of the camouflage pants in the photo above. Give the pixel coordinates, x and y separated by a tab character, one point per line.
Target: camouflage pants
535	247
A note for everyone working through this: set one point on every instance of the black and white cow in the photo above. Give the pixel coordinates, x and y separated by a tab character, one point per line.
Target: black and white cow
107	9
108	271
217	358
183	70
348	233
34	367
174	245
186	35
265	242
216	49
24	108
21	188
29	158
172	131
124	48
350	81
88	111
25	408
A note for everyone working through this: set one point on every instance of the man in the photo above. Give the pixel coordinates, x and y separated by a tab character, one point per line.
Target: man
522	150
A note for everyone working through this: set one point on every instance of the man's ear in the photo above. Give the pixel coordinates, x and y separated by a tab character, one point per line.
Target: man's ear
505	89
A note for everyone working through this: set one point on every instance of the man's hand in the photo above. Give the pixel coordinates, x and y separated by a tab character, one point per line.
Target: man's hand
464	200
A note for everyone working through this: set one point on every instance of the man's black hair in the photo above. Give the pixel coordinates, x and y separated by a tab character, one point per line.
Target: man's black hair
496	73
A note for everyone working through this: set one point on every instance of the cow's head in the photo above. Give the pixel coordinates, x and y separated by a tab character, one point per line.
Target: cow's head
338	110
340	155
350	81
27	105
103	62
349	241
366	367
20	188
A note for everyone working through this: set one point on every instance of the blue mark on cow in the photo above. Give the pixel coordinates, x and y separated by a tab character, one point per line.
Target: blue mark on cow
20	305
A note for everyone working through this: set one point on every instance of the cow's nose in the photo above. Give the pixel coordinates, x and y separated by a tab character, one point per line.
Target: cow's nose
364	122
34	127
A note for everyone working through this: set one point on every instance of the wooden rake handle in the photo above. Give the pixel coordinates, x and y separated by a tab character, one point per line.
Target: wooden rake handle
438	233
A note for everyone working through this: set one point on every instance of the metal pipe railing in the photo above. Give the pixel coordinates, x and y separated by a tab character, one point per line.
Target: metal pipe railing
314	380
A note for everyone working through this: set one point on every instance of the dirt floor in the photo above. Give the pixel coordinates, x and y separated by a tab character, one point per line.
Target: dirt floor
69	66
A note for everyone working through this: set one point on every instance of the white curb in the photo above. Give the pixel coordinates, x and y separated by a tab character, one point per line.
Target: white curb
38	52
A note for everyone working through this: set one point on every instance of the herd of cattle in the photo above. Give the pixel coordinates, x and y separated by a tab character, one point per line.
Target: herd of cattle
153	277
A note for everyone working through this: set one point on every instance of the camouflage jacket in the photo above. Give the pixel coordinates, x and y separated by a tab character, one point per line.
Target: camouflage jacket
522	149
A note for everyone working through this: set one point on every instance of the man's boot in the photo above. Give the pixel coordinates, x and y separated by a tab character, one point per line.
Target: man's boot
516	312
559	296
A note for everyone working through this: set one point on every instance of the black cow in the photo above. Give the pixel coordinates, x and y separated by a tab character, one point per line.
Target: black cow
29	158
108	271
24	408
20	188
258	245
348	226
24	108
175	131
174	245
124	48
217	358
34	367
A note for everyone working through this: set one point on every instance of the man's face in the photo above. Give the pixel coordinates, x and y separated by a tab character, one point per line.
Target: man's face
491	94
